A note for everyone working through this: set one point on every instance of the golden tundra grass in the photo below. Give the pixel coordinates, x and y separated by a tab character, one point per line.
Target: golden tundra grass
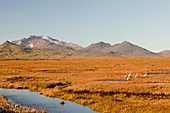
84	82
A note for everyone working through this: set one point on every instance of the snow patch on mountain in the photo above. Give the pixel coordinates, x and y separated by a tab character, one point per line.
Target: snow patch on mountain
50	39
31	45
44	37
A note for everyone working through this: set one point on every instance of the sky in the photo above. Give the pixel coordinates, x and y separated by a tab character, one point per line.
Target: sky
142	22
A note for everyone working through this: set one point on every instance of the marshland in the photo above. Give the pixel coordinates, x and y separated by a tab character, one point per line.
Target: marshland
97	83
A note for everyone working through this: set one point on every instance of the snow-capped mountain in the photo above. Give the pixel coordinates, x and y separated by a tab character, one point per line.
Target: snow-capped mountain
45	42
9	50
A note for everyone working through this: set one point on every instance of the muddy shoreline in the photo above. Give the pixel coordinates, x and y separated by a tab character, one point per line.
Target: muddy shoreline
6	107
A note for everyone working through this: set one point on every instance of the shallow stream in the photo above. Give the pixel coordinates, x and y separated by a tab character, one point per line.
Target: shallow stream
40	102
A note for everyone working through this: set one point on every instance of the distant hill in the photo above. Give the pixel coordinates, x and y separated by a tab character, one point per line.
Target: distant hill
125	49
98	48
128	49
165	53
45	42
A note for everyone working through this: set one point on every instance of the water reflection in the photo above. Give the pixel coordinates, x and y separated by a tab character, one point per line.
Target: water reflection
40	102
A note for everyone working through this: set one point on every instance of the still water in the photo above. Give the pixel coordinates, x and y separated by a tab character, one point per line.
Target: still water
40	102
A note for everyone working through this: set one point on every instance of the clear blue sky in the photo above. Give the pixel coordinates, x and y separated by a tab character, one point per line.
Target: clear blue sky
142	22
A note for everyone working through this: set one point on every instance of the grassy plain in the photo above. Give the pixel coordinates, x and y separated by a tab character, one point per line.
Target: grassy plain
85	82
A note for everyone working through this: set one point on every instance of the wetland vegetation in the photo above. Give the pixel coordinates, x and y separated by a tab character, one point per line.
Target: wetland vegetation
84	82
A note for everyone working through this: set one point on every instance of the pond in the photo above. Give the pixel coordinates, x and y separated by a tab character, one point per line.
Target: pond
115	81
160	75
40	102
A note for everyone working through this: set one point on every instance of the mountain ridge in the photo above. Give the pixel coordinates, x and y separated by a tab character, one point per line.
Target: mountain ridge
49	48
124	48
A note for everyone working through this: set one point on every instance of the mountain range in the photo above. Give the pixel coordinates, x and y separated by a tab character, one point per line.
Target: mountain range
124	49
44	47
